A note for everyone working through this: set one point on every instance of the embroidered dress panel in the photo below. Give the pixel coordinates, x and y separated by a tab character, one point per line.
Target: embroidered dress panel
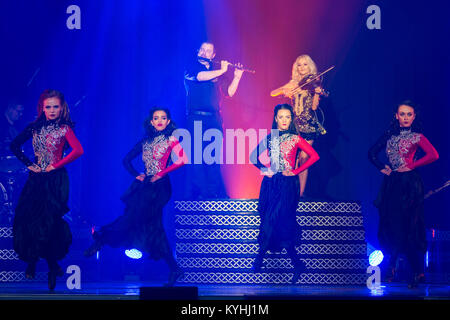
282	152
400	149
152	154
48	144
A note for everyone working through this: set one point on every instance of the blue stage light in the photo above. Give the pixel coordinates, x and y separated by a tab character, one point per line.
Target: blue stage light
133	253
376	257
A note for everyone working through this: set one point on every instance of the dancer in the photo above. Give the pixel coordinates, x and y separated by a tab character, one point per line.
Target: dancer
141	225
305	104
400	199
205	89
279	193
39	231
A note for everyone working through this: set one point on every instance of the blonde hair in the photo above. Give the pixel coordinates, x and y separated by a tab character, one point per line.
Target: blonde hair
312	66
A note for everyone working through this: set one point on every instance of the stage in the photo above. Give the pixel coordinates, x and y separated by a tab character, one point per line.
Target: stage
131	290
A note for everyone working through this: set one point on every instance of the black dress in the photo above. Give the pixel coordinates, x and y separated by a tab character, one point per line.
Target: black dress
39	230
141	225
279	195
400	199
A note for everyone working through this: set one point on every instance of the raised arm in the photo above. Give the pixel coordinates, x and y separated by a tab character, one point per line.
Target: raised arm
235	82
209	75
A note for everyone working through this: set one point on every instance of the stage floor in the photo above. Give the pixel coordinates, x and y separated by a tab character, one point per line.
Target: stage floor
130	291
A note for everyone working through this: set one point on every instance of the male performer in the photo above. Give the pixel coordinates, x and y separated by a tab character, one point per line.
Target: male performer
8	127
205	87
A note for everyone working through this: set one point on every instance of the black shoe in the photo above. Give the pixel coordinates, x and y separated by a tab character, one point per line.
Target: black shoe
89	252
173	277
30	272
54	272
51	280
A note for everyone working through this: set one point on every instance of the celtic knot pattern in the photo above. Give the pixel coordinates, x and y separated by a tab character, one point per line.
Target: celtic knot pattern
217	248
253	248
8	254
218	220
254	221
217	243
217	234
19	276
6	232
218	205
333	235
273	278
270	263
252	234
330	221
252	206
338	207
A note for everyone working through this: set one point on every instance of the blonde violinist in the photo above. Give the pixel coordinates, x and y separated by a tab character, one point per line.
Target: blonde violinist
305	99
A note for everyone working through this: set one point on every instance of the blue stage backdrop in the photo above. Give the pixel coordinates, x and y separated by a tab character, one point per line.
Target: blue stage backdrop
130	55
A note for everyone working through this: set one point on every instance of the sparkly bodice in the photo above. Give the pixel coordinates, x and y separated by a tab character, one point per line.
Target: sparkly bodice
155	155
48	144
48	139
282	151
400	149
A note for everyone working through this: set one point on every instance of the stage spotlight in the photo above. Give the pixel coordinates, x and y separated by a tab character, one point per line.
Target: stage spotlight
375	258
133	253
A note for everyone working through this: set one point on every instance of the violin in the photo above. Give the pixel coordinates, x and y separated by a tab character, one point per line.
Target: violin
309	83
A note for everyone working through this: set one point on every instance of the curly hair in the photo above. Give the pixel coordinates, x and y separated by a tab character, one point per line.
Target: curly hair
312	66
150	131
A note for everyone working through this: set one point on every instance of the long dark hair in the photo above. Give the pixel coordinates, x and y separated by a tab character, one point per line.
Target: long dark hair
416	126
64	117
150	131
284	106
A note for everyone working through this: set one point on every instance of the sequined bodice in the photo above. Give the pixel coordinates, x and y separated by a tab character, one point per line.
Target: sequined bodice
282	151
155	154
48	143
400	149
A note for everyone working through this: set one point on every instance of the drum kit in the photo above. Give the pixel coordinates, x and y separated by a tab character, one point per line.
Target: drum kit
12	174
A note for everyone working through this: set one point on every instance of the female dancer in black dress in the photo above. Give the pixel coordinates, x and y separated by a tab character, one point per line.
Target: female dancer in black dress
400	200
39	230
279	194
141	225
